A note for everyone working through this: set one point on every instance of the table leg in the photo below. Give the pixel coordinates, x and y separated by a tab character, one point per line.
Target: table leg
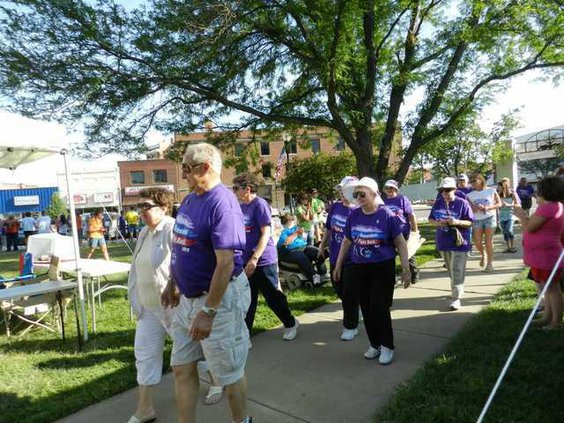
60	302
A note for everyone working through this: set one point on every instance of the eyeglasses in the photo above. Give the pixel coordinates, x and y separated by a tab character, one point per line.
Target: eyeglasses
359	194
147	206
188	168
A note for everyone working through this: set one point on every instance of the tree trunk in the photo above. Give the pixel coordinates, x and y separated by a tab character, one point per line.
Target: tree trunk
406	161
364	154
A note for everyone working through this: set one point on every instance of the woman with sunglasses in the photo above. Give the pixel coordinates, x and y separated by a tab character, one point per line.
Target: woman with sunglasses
484	202
150	270
372	234
451	212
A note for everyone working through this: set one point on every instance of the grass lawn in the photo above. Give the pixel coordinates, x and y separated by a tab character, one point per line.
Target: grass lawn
44	378
454	386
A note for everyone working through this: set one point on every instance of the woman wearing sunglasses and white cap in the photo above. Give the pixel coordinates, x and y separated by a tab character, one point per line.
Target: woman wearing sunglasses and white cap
372	234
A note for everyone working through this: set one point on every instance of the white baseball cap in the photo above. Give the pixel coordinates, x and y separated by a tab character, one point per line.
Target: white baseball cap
447	183
463	177
346	180
392	184
366	182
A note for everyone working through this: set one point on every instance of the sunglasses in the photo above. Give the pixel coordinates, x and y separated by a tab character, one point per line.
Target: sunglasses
188	168
446	190
147	206
359	194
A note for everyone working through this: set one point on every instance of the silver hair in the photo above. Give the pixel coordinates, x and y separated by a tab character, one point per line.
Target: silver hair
204	152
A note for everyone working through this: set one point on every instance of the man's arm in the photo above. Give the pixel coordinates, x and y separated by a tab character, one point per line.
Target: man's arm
202	324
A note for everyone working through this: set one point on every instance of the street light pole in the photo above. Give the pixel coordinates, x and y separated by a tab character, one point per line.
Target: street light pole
286	137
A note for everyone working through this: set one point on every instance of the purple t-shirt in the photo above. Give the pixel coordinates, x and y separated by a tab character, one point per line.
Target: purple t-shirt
525	192
373	235
457	209
401	207
204	223
257	215
336	222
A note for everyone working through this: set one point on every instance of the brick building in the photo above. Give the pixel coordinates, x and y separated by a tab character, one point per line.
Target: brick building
136	175
266	153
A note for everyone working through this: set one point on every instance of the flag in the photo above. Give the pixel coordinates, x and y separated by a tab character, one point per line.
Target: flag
280	163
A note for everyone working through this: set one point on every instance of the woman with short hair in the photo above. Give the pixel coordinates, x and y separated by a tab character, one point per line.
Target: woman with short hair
150	270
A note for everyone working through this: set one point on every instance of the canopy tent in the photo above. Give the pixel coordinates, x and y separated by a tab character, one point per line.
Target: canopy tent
10	158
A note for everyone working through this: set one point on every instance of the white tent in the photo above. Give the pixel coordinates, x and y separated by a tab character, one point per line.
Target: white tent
12	157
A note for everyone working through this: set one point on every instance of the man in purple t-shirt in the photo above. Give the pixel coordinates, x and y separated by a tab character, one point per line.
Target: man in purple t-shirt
260	257
450	213
525	192
209	286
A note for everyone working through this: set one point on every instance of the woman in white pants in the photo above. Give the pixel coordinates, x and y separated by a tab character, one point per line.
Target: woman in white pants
148	277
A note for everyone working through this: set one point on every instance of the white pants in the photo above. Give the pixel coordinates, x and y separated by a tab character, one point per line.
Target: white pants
152	328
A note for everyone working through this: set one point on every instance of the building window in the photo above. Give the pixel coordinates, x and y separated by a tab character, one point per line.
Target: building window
292	147
315	146
137	177
159	175
267	170
265	148
239	149
340	144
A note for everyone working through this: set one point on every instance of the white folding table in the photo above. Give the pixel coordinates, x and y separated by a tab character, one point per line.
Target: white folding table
29	290
92	271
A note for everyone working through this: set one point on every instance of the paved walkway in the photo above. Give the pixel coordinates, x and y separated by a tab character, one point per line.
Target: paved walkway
318	378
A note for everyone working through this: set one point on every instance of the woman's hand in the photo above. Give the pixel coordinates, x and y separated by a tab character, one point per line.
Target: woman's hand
406	278
337	273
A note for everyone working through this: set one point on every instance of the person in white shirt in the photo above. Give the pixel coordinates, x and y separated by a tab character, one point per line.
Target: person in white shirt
44	223
29	226
484	202
150	271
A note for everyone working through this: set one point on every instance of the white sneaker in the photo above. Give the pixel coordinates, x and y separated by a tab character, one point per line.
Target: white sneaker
316	279
291	333
326	277
372	353
386	355
455	305
348	334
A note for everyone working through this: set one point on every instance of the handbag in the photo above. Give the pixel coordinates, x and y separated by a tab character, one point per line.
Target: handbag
454	233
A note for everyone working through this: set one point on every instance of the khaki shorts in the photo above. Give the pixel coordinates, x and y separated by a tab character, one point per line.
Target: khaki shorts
227	347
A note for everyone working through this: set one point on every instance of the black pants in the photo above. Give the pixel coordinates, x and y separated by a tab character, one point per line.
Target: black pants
349	298
305	259
265	280
412	265
11	241
374	284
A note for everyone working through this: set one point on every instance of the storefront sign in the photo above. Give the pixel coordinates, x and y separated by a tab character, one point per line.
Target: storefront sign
104	197
80	198
28	200
129	191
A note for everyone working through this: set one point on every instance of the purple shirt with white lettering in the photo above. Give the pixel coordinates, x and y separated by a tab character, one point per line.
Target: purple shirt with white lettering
257	215
205	222
525	192
336	222
401	207
458	209
373	235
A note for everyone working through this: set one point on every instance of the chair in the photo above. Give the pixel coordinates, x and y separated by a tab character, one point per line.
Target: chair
33	309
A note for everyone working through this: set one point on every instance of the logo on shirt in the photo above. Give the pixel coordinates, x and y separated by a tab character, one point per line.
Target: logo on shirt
367	235
184	232
248	225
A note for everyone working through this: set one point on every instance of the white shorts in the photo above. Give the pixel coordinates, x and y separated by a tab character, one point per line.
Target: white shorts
227	347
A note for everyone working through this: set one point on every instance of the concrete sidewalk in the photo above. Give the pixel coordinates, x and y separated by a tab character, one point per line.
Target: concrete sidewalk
317	377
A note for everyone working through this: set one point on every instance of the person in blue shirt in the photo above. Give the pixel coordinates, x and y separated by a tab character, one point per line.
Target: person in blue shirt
293	248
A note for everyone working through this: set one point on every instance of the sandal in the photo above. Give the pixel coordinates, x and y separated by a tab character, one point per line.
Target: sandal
482	261
147	419
214	395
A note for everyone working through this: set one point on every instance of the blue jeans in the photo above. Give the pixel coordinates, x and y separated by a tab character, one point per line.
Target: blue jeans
507	228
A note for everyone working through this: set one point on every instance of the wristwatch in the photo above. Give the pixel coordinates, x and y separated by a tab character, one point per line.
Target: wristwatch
210	311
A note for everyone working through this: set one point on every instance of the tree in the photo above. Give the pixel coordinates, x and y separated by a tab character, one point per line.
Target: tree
56	206
320	171
278	65
467	148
